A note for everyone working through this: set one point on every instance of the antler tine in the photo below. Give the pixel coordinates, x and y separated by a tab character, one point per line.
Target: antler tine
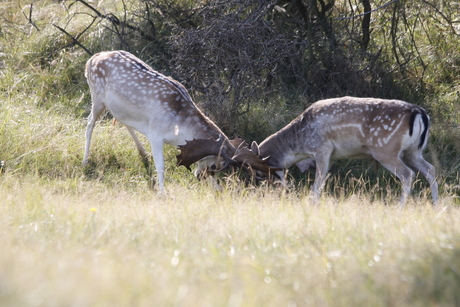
194	151
197	149
228	161
249	159
237	142
223	153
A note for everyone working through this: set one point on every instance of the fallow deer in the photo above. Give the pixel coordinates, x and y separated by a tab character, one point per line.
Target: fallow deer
156	106
393	132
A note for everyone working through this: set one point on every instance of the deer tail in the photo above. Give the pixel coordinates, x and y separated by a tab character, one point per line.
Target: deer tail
426	126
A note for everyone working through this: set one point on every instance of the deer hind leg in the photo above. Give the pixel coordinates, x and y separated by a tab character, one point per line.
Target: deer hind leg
96	111
419	164
404	173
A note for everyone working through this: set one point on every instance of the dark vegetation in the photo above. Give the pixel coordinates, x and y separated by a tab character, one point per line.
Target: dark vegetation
252	65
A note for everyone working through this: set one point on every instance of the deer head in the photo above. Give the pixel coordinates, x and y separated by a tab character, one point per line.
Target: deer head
258	168
197	149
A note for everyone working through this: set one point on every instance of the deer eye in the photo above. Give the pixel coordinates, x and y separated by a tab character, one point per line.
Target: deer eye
213	167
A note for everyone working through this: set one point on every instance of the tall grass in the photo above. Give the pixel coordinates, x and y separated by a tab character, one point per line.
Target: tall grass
76	242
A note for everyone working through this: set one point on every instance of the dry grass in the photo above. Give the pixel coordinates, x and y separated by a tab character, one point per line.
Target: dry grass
80	243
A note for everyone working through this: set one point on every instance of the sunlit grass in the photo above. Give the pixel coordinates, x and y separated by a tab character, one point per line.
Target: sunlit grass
80	242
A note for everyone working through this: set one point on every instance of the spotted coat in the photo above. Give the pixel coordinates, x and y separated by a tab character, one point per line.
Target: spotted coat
148	102
393	132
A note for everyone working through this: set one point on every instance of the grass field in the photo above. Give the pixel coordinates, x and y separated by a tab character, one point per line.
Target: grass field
77	242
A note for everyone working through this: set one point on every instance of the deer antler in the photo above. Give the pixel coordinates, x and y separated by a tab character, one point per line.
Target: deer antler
197	149
237	142
250	159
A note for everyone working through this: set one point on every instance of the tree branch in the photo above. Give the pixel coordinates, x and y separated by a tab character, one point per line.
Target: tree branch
30	17
366	23
115	21
73	39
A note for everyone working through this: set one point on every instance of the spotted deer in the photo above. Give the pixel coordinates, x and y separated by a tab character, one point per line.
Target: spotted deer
393	132
158	107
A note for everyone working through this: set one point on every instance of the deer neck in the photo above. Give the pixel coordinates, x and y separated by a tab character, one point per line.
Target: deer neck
193	125
290	145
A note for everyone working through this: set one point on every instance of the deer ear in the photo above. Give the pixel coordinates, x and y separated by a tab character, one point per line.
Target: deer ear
255	147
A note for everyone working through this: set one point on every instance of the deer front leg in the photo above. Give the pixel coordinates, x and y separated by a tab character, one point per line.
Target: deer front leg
158	159
139	146
214	184
142	152
323	161
282	176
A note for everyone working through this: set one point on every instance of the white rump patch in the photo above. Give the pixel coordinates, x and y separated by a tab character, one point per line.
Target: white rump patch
416	132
